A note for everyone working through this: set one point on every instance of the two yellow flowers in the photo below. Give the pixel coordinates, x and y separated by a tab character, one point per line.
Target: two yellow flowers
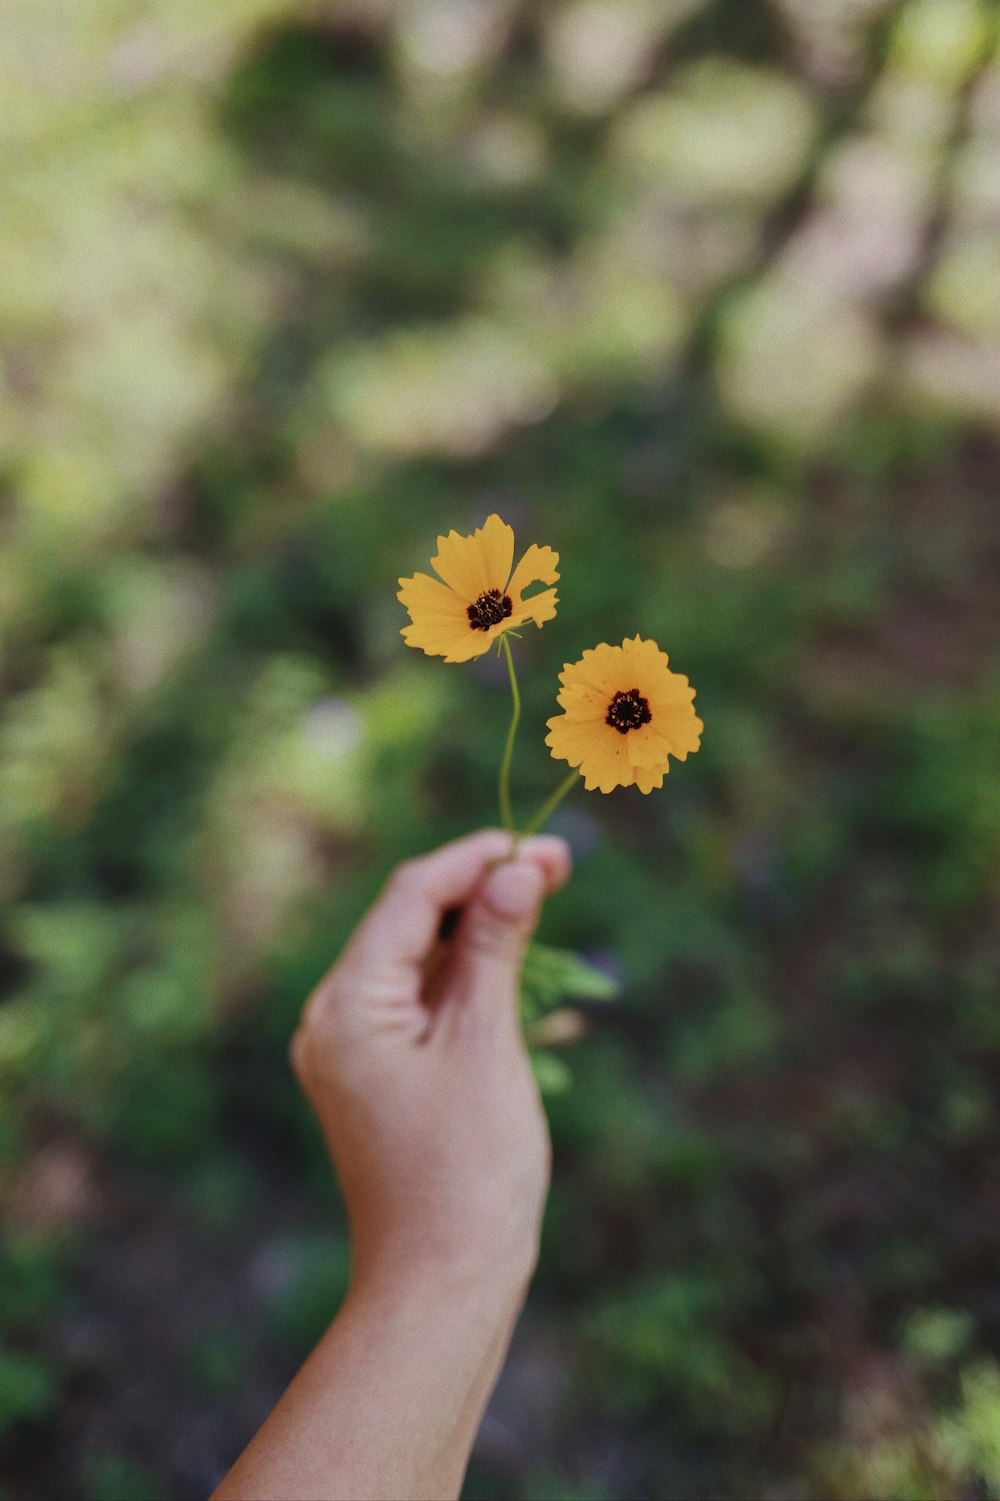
624	713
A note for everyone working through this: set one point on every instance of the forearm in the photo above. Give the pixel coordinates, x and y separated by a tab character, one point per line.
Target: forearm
425	1094
388	1404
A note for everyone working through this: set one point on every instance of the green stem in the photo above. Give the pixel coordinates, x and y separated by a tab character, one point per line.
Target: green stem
506	811
550	806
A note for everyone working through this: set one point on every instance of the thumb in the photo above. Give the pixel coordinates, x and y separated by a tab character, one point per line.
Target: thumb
495	929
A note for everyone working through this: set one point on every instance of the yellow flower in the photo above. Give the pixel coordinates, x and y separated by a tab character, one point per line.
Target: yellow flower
624	715
480	597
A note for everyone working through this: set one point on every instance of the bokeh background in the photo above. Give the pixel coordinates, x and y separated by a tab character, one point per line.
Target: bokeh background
705	294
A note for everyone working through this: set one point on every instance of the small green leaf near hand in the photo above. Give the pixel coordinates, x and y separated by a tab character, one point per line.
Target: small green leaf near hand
551	976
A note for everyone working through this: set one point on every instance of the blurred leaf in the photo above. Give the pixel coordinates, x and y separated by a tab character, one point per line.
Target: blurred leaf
310	1275
109	1476
552	975
29	1388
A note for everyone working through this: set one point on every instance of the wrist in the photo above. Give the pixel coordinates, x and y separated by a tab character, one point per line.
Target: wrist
487	1282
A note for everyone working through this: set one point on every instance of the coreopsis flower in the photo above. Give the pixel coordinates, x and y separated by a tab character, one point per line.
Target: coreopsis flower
480	598
624	715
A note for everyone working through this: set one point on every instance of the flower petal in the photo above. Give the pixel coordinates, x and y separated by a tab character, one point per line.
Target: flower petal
471	565
424	594
540	565
539	608
600	669
644	654
605	766
681	727
439	622
473	644
595	748
648	747
648	777
567	741
581	702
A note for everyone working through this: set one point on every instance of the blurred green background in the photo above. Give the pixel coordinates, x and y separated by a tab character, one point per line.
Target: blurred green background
705	294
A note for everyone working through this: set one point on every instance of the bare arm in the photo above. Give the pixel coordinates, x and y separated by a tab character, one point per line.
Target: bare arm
412	1057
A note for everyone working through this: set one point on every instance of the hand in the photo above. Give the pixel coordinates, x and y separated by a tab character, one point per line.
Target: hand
411	1054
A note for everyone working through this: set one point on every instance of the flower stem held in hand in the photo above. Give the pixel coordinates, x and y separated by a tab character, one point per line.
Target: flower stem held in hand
551	804
506	811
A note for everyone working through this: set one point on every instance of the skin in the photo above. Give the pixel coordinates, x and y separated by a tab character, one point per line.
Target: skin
411	1054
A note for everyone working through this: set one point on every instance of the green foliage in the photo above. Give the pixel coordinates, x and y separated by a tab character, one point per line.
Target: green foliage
314	1271
217	1362
549	1487
223	1192
552	1073
972	1432
33	1282
552	975
29	1388
109	1476
661	1343
937	1334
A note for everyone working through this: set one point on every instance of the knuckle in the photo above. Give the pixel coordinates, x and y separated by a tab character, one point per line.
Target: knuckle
405	876
492	937
298	1049
325	1001
330	1018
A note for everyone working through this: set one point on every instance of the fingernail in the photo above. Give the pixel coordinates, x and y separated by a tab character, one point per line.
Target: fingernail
513	889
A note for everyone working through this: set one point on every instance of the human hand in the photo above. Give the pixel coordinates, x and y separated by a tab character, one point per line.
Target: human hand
410	1052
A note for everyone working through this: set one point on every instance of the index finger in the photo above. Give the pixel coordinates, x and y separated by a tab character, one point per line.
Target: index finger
399	931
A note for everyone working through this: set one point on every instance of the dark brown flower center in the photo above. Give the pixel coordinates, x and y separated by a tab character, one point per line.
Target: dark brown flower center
489	609
627	711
